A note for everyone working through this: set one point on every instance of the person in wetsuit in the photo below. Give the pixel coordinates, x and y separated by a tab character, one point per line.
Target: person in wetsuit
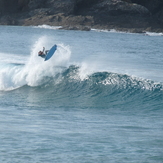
41	53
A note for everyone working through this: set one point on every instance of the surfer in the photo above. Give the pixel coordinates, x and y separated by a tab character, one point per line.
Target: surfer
47	54
43	53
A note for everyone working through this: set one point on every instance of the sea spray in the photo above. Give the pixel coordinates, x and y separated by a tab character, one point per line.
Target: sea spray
35	70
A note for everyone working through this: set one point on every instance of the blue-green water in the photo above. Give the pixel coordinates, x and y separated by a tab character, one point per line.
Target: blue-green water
98	99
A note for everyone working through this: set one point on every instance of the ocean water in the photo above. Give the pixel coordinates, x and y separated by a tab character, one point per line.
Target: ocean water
99	99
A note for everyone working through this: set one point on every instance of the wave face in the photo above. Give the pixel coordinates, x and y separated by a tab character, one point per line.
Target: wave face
67	87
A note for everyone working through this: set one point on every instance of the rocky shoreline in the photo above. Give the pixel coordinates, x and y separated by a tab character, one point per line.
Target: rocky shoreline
136	16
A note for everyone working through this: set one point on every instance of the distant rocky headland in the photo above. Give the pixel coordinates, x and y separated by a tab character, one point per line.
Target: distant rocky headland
123	15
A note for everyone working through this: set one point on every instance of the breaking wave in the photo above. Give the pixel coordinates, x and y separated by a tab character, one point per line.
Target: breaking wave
72	85
66	85
101	89
17	73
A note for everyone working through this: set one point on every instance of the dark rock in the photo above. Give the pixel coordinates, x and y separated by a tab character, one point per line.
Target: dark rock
153	5
35	4
113	7
40	11
13	6
84	5
160	17
129	15
78	20
6	6
60	6
8	20
22	5
85	28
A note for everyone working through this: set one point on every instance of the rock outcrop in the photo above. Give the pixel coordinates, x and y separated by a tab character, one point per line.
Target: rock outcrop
130	15
154	6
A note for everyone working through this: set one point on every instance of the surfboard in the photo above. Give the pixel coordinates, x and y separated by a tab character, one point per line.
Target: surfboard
50	52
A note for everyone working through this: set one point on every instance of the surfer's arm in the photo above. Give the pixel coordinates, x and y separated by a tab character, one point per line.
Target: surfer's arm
43	49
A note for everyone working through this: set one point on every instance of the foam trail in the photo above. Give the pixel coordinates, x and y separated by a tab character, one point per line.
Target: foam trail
36	69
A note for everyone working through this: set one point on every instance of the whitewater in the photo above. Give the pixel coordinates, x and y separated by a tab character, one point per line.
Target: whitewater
98	99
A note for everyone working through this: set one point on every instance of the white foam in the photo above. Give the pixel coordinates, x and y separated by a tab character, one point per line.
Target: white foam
99	30
48	27
36	68
153	34
12	58
116	31
110	31
34	71
86	69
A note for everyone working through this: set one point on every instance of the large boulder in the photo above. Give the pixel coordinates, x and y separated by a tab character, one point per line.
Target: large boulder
153	5
118	7
8	6
81	5
13	6
54	6
1	7
61	6
23	5
35	4
159	16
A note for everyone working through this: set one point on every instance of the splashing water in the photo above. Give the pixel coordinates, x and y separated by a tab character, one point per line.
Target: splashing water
33	71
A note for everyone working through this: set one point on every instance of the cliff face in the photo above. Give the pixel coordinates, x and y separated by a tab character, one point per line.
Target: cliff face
13	6
127	14
154	6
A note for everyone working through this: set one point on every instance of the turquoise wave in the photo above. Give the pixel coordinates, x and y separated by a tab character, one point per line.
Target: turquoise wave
98	90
